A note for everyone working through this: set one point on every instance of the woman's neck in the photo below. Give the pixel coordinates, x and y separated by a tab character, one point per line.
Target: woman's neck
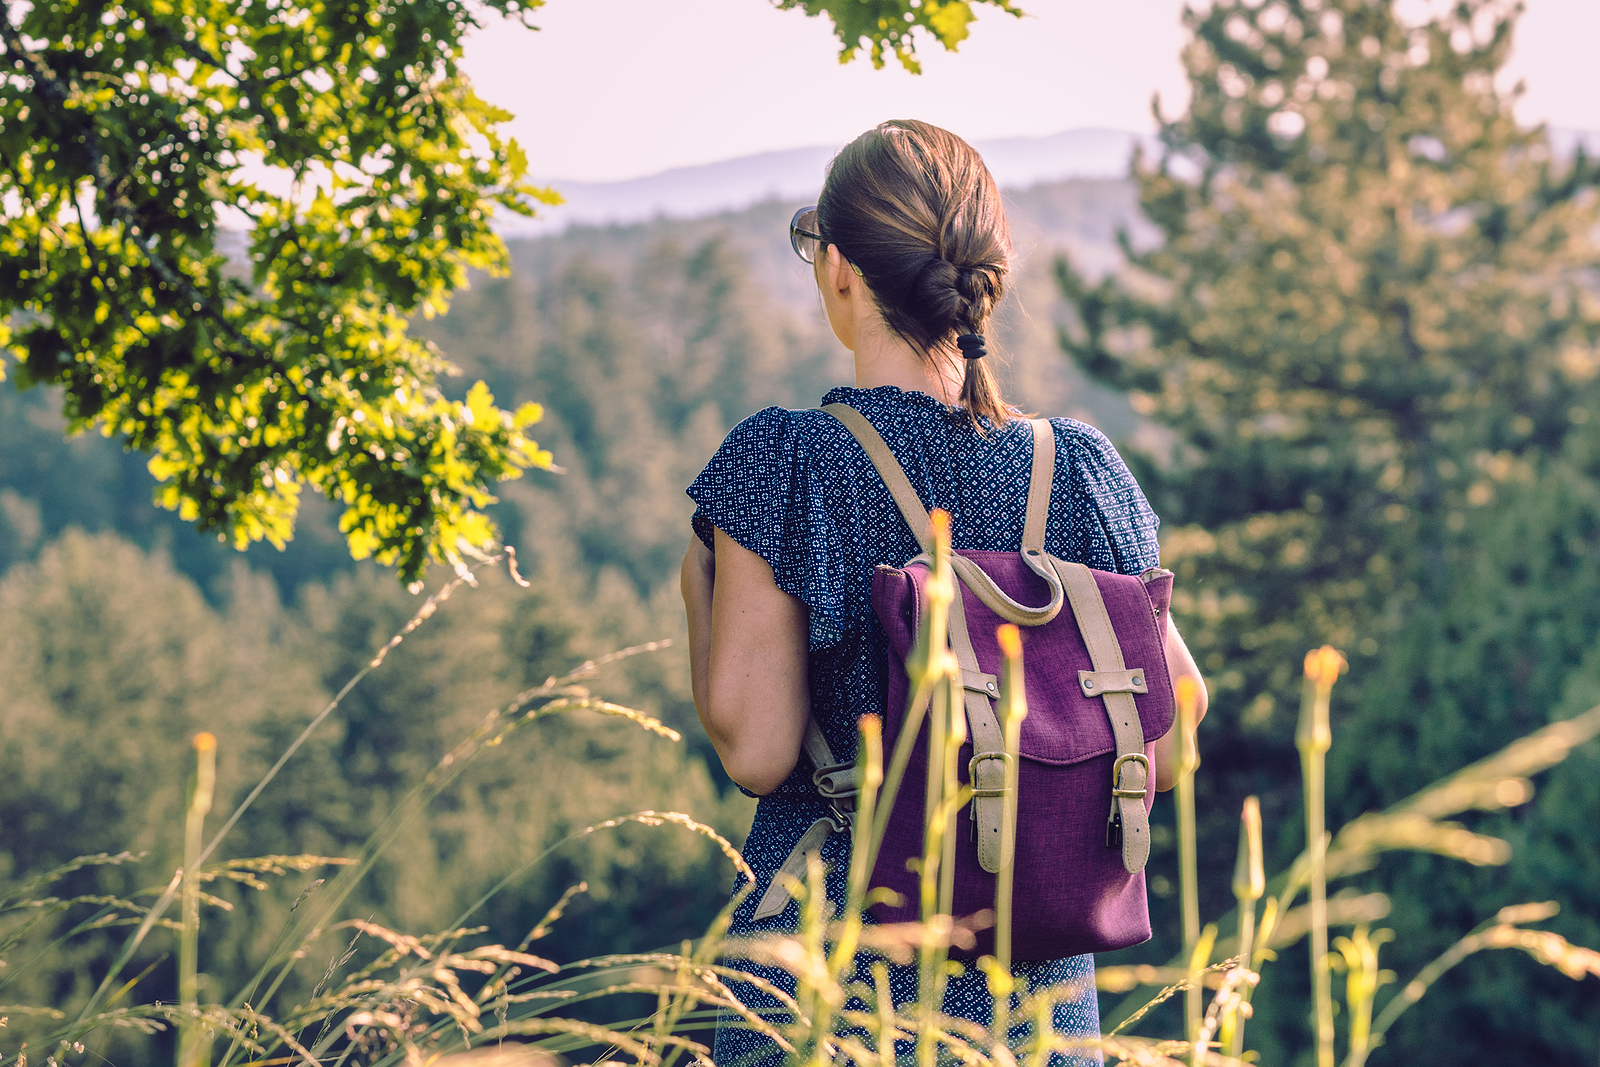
884	358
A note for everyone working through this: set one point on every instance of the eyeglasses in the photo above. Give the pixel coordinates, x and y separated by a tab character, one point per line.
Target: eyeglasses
805	239
803	235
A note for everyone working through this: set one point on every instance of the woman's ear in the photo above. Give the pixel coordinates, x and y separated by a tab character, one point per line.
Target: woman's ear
836	284
838	270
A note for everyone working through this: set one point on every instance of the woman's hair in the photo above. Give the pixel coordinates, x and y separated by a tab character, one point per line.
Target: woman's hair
915	209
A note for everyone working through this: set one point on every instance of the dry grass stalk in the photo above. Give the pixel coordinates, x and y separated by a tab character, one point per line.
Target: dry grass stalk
424	995
1188	699
1249	885
1314	738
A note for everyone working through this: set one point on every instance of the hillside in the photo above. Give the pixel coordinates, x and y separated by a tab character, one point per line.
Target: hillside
645	343
796	174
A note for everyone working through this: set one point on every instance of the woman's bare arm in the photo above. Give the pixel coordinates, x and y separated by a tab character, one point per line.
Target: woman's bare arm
1179	664
696	579
747	661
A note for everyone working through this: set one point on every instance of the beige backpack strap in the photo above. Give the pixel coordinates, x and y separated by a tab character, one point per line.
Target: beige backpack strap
1034	528
793	870
987	770
1044	473
877	450
1128	825
971	575
837	783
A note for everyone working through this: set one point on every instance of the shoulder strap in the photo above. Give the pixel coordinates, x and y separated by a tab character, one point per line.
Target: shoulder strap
916	517
836	782
1044	473
877	450
986	772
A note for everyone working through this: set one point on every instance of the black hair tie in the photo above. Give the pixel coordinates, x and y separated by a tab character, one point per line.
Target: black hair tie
972	345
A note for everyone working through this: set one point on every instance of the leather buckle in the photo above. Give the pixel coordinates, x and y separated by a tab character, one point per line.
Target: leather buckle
843	821
1116	776
972	772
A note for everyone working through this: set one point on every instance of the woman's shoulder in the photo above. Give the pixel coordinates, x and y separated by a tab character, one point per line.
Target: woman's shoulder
1089	453
779	433
1080	436
774	450
814	433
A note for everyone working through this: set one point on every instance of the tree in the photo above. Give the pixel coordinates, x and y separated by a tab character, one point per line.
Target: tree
128	133
112	662
1371	319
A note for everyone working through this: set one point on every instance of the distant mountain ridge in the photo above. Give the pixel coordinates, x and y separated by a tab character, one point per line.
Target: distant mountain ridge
796	174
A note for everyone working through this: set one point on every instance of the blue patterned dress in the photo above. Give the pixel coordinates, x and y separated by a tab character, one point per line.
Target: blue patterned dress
794	487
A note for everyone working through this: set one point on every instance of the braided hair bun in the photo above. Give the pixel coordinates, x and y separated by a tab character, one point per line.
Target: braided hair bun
916	210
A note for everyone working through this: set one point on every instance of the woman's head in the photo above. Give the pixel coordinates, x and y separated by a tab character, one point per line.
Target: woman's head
918	214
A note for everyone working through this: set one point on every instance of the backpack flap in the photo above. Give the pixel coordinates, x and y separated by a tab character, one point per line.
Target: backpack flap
1073	893
1082	731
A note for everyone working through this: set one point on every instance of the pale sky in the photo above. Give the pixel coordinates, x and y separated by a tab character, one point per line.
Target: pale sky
611	89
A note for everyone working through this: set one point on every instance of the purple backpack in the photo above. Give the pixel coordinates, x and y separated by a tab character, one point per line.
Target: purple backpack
1098	694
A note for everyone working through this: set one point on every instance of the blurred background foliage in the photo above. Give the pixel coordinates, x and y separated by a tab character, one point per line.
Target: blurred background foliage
1350	344
1372	325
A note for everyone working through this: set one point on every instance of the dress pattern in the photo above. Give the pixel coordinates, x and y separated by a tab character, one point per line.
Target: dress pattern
794	487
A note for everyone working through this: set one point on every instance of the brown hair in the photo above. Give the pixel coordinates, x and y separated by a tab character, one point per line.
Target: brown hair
916	210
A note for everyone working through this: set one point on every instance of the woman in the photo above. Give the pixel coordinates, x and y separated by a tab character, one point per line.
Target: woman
910	250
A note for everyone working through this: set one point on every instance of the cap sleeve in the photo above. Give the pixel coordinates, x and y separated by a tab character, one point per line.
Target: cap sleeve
766	489
1122	532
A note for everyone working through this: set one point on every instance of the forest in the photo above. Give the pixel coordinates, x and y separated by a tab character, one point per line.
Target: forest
1356	367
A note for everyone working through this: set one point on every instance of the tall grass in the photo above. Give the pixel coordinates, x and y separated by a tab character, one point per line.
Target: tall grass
388	997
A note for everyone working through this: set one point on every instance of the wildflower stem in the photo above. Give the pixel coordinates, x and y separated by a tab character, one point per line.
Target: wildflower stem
1199	959
1188	695
887	1027
928	884
944	677
193	1049
1013	709
1314	738
1249	883
1363	977
870	768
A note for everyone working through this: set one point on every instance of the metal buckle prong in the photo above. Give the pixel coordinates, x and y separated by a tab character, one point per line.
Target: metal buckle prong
843	821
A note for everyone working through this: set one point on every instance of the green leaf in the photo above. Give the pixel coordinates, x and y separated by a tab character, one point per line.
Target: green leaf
888	27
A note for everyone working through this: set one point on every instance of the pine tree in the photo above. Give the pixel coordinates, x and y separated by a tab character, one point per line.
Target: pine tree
1370	323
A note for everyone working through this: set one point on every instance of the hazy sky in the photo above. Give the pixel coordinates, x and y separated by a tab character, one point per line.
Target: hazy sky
618	88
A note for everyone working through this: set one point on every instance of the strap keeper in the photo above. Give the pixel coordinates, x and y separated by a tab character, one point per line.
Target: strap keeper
978	682
1099	683
836	781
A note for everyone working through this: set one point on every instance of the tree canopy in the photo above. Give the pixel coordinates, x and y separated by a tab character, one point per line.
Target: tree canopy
347	141
1371	324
